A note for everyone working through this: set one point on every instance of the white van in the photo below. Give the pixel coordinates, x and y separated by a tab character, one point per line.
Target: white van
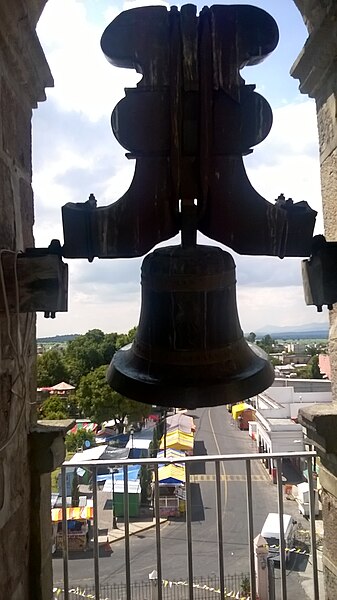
271	533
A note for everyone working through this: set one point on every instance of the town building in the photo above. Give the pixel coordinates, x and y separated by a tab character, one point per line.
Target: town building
276	427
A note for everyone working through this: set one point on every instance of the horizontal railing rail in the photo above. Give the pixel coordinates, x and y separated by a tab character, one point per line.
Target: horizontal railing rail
190	459
188	462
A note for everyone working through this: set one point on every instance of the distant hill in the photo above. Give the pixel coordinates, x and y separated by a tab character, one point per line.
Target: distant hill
318	331
58	339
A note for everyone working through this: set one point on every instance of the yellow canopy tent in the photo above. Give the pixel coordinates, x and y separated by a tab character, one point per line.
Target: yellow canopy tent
74	513
179	440
171	474
171	454
237	409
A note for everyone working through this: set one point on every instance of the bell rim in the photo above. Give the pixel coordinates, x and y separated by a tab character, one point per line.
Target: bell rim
129	373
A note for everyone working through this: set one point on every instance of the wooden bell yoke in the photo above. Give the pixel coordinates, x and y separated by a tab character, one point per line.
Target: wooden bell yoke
188	124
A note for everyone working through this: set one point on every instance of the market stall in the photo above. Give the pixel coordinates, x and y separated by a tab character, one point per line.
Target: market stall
171	480
238	409
79	525
179	440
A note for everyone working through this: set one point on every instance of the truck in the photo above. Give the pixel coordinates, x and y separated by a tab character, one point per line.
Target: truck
271	533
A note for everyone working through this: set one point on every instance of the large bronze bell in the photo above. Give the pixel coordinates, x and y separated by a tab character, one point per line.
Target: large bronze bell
189	349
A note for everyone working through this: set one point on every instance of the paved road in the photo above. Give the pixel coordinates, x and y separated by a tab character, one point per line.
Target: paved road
216	434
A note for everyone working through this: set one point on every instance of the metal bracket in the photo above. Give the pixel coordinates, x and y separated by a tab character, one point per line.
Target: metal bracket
319	274
34	281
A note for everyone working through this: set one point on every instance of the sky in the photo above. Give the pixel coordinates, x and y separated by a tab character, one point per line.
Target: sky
75	154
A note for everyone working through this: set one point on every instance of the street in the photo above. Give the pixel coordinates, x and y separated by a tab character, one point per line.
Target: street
216	434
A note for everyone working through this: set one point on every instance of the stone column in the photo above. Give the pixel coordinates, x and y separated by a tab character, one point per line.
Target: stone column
24	74
316	70
261	567
47	451
320	422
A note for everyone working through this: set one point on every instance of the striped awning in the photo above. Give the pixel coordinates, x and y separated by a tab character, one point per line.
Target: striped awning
73	514
171	453
179	440
171	474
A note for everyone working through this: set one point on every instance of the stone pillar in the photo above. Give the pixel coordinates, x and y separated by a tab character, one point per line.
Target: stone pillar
320	422
316	70
261	567
24	74
47	451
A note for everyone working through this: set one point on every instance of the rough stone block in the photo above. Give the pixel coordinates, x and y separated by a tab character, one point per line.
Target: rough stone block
27	213
14	553
327	126
329	511
16	128
7	223
320	421
329	194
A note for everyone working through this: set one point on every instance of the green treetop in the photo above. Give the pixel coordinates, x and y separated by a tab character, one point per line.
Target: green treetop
99	402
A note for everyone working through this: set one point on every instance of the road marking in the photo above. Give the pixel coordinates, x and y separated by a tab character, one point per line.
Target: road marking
223	477
241	478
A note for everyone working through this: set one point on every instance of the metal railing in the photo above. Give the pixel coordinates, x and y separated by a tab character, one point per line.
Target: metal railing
190	584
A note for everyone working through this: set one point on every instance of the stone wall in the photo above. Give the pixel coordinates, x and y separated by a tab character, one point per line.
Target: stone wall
23	76
313	11
316	70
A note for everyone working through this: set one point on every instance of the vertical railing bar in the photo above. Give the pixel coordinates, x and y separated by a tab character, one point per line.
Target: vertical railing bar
127	533
220	530
65	550
250	529
158	542
189	530
313	528
95	527
281	519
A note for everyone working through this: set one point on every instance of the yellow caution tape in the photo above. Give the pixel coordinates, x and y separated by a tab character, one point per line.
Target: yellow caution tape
77	592
228	593
296	550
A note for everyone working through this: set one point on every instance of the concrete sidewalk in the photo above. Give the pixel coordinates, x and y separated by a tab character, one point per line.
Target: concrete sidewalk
108	535
135	528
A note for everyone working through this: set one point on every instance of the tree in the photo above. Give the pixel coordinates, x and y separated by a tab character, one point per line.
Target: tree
315	370
59	407
251	337
267	343
125	338
99	402
51	368
245	585
55	407
77	440
92	350
85	353
75	492
145	483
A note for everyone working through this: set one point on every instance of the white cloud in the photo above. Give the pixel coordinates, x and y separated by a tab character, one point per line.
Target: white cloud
79	68
281	306
139	3
287	161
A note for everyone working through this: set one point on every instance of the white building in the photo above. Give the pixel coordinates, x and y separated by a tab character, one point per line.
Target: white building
276	428
295	347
